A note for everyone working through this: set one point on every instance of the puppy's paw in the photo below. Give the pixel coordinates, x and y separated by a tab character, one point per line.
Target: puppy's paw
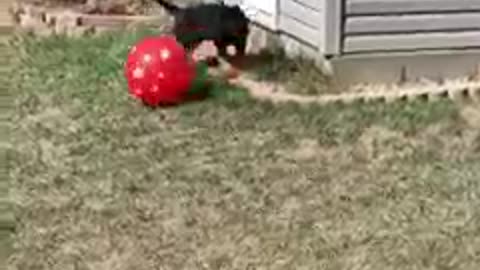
205	51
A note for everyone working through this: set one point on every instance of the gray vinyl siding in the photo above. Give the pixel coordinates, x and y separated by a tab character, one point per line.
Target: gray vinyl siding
409	25
302	19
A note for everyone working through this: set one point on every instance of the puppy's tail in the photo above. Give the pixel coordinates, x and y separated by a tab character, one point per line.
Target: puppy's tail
171	8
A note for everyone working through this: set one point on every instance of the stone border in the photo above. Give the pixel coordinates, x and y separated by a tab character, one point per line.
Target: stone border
43	21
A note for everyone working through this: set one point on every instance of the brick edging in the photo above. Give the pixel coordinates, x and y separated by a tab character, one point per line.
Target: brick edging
41	20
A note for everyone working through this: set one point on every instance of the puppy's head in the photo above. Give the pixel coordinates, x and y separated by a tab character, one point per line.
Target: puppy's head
238	23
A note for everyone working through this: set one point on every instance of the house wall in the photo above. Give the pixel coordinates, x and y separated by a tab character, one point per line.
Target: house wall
302	19
262	12
310	27
410	25
294	23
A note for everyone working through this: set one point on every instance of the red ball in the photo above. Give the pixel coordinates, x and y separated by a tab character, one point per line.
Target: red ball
158	71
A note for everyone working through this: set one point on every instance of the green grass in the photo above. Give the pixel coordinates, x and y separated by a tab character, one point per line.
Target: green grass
100	182
6	217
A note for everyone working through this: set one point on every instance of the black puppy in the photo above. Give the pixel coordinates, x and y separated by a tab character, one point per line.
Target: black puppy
223	24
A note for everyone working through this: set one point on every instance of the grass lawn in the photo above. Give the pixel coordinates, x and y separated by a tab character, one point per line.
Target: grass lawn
100	182
6	217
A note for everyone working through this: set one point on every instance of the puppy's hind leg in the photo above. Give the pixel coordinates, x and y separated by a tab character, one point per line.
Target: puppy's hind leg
240	46
221	47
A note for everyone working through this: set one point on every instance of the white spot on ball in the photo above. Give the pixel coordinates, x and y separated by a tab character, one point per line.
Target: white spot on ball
155	88
138	73
147	58
134	49
164	54
161	75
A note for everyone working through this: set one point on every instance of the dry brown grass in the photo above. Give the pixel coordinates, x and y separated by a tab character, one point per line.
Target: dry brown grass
231	183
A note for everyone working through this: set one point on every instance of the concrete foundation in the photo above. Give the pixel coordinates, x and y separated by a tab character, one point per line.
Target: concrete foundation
405	67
